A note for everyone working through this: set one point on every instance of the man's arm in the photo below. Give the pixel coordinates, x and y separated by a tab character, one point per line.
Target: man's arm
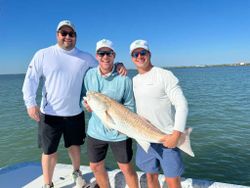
30	85
177	98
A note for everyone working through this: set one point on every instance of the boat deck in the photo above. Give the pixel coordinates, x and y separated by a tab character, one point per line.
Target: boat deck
29	175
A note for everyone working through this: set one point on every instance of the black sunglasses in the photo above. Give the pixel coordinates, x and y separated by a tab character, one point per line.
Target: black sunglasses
65	33
142	53
103	53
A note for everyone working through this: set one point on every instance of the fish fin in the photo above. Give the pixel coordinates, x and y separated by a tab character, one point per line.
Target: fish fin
144	144
185	143
108	121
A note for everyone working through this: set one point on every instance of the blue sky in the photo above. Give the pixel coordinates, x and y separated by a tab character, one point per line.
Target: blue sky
179	32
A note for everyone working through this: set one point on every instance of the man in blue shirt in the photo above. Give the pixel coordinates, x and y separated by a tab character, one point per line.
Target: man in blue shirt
106	80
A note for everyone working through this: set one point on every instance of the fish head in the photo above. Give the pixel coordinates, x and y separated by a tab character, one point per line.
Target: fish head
96	101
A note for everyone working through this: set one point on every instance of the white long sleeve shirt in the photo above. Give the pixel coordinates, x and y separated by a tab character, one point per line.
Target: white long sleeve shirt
160	99
62	73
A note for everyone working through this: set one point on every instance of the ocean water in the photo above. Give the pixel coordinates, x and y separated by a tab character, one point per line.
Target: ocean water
219	112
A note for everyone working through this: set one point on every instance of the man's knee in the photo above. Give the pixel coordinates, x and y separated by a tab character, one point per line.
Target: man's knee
97	167
152	178
174	182
127	168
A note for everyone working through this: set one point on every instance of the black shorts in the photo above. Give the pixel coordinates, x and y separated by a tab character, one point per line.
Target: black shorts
51	128
97	150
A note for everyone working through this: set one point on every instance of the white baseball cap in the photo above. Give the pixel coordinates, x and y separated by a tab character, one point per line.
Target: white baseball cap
66	23
139	44
104	43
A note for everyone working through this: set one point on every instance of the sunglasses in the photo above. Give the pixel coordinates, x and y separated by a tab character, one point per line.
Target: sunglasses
142	53
103	53
65	33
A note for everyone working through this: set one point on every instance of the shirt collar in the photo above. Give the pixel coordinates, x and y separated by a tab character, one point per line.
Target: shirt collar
105	75
66	51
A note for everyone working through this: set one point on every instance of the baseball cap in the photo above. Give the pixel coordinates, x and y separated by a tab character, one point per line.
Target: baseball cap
139	44
66	23
104	43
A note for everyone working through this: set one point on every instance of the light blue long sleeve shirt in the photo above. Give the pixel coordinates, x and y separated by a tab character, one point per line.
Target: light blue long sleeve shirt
116	87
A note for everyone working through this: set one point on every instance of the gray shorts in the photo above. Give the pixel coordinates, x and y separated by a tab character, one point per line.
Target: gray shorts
51	128
97	150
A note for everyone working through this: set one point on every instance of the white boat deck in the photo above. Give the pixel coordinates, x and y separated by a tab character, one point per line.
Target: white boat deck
29	175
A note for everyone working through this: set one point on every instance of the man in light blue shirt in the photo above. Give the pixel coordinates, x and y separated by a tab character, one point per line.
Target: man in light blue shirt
106	80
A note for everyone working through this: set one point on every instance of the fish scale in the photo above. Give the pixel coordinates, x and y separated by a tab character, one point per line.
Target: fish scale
126	118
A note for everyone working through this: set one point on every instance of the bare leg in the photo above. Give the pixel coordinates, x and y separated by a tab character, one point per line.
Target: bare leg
100	173
129	174
48	166
152	181
174	182
75	156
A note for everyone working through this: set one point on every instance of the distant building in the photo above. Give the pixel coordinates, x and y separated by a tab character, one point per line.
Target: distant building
200	65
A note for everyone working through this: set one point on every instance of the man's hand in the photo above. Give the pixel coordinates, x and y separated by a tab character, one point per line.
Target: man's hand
171	140
34	113
87	106
121	69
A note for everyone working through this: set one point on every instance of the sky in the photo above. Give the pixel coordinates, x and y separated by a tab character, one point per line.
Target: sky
179	32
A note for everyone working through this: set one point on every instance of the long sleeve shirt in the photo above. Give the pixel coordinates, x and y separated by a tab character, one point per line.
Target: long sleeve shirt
116	87
62	73
159	99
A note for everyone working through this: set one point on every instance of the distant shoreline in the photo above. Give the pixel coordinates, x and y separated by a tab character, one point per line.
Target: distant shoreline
171	67
216	65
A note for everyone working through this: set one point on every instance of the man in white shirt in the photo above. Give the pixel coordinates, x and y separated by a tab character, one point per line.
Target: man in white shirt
156	92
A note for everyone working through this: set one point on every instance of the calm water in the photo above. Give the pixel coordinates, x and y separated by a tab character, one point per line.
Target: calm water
219	112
